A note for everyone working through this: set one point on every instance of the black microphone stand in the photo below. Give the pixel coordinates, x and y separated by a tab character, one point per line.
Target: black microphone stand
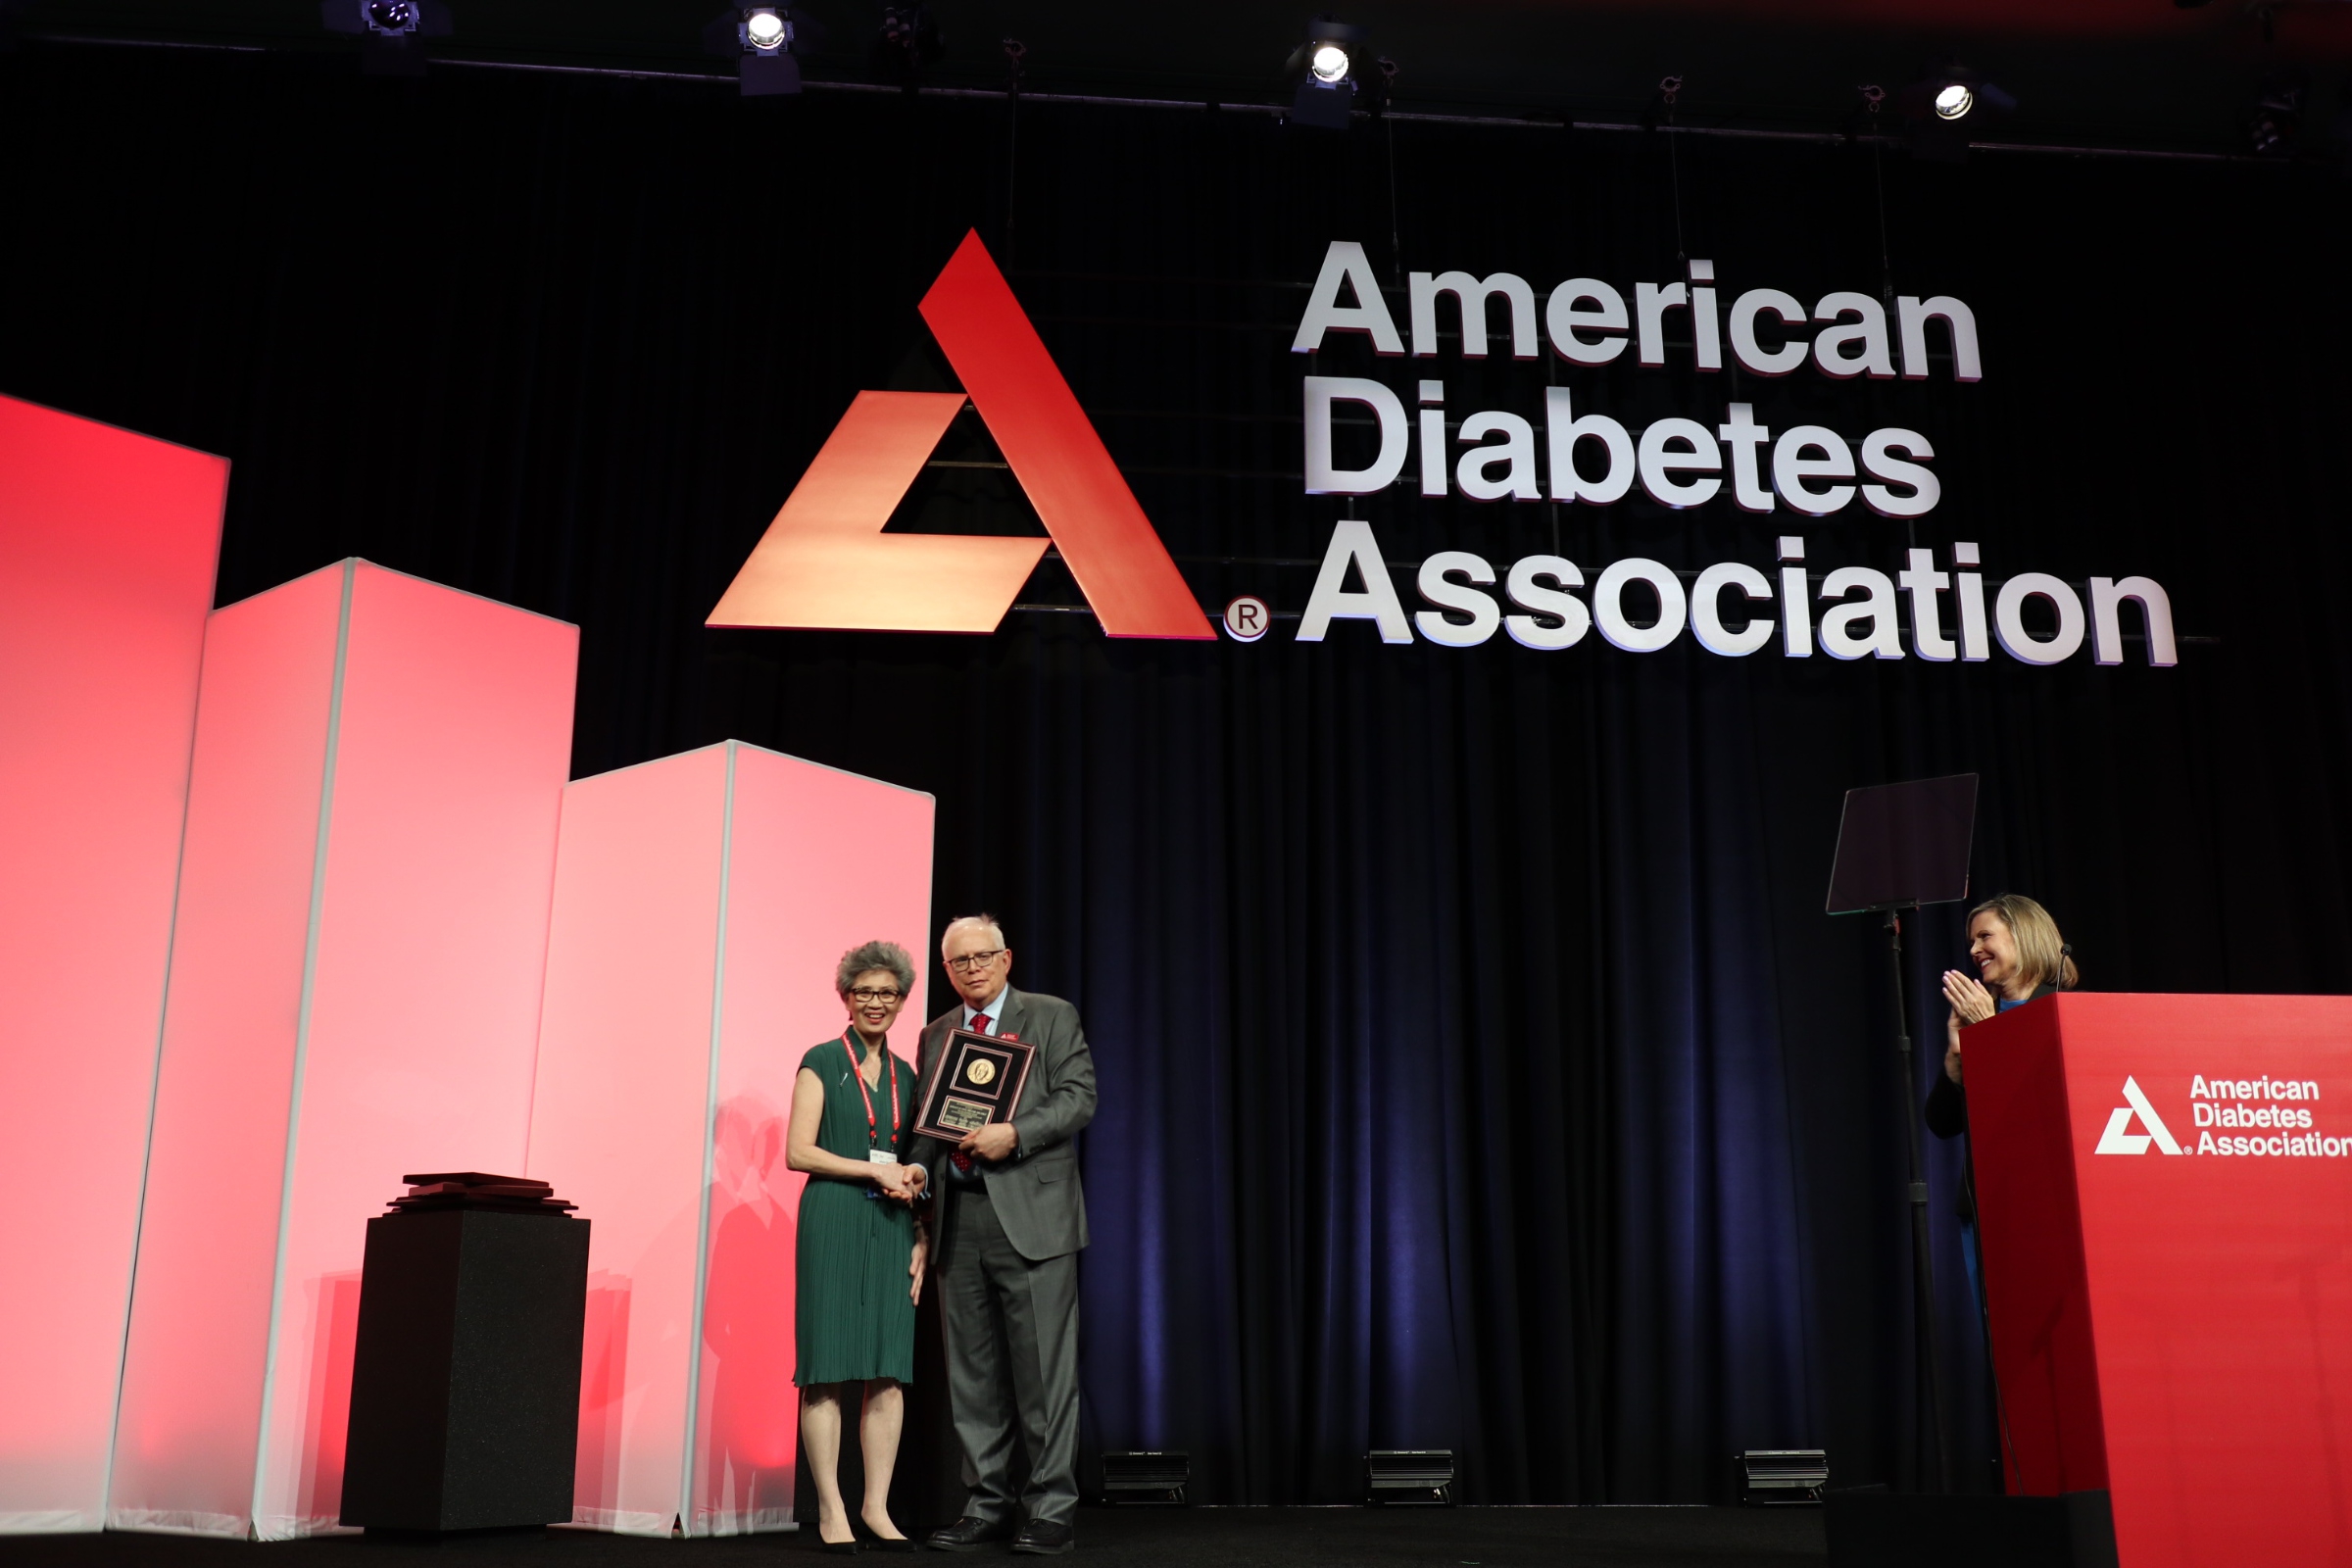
1922	1267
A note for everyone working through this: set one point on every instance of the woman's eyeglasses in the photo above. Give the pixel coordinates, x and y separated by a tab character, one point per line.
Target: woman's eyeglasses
870	993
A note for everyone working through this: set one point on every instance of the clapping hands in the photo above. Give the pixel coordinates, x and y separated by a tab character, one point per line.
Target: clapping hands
1971	1003
1968	997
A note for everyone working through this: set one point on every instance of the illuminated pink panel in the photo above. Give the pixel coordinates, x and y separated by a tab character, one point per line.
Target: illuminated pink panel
702	903
621	1115
821	862
361	930
107	548
186	1446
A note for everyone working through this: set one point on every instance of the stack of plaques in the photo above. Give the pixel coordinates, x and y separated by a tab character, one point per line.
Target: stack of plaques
471	1188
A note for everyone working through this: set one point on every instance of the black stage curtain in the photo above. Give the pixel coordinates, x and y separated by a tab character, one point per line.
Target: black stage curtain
1478	1067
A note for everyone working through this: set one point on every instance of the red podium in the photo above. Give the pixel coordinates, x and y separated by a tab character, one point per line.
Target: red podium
2165	1187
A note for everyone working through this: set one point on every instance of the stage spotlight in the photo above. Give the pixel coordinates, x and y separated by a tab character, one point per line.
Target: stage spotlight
2278	123
1325	69
389	31
763	41
1944	106
909	40
765	68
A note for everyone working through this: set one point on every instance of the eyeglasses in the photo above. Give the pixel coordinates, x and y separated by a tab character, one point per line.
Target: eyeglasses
976	961
869	994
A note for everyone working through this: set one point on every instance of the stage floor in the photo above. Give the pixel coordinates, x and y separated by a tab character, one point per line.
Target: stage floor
1109	1538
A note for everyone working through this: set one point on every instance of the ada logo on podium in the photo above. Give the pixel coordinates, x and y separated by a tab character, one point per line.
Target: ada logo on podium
2282	1110
2118	1139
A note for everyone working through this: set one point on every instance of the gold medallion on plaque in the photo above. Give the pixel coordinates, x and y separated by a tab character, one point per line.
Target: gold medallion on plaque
981	1071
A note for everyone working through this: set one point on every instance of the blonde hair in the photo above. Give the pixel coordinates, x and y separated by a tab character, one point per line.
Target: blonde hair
2041	950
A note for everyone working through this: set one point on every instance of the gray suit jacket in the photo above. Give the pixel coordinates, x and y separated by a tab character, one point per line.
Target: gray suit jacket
1036	1193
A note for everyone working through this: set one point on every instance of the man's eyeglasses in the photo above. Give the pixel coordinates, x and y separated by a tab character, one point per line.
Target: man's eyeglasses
976	961
870	993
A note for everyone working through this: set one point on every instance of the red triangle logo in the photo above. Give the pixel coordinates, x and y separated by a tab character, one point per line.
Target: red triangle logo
826	563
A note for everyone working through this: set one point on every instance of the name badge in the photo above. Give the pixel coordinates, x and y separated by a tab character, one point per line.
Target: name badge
881	1156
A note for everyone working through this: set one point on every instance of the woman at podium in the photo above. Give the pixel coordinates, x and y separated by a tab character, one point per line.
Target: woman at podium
860	1254
2019	955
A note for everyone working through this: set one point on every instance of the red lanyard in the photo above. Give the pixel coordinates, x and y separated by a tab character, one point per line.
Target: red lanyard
871	1126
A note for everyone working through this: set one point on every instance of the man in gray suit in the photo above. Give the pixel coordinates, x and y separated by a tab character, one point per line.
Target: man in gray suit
1007	1221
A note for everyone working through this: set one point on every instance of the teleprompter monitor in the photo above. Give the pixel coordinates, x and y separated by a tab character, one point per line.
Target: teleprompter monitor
1903	845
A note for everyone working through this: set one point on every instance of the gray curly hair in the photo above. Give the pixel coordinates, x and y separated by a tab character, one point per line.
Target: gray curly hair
875	955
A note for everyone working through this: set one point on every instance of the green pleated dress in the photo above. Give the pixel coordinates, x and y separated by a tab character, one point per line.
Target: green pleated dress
854	1321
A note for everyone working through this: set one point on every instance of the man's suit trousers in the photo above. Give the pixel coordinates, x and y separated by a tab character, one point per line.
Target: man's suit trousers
1013	1356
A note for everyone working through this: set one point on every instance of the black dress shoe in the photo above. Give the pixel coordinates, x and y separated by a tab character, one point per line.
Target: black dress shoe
968	1534
873	1543
1043	1539
847	1549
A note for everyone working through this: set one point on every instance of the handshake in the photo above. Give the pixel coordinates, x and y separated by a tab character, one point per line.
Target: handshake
901	1184
906	1184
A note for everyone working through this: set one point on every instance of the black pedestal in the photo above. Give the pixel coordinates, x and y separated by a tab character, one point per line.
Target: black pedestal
466	1374
1874	1528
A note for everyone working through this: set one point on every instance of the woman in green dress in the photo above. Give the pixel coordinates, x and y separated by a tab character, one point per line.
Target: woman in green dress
861	1247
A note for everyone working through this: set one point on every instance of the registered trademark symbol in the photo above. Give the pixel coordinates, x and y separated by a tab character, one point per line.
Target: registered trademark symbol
1247	618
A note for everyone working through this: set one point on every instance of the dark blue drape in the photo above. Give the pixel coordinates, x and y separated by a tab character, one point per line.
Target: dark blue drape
1478	1070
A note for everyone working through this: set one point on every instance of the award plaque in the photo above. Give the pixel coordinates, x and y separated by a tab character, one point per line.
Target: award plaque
980	1083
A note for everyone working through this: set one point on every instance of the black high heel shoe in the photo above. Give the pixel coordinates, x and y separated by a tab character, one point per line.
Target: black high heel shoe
873	1543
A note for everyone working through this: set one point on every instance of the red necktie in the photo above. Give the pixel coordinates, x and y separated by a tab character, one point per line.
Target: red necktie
961	1161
